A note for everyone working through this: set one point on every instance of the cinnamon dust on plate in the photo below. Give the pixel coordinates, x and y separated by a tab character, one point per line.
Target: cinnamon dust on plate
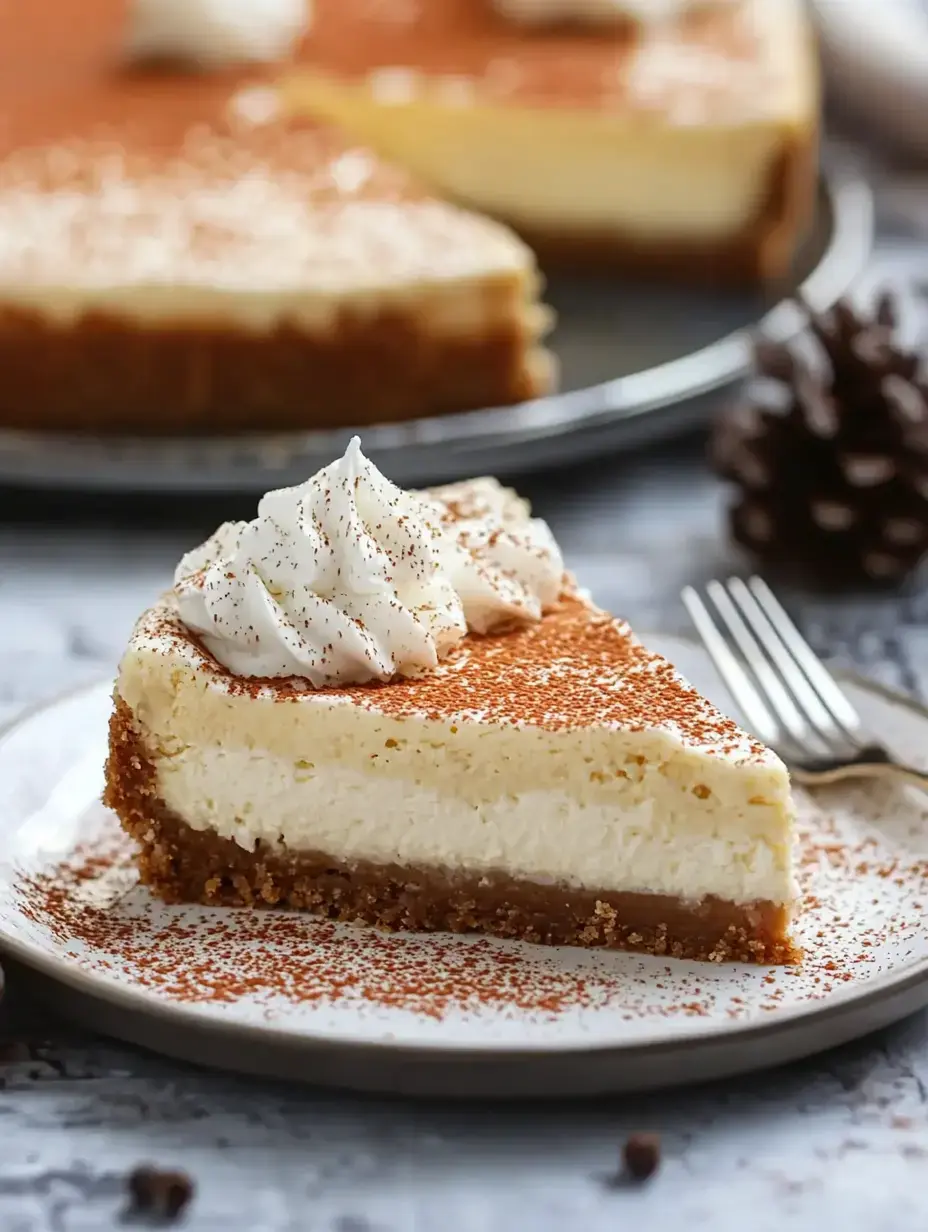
103	921
197	955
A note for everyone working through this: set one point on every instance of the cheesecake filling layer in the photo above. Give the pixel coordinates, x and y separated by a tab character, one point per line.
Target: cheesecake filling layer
644	838
611	178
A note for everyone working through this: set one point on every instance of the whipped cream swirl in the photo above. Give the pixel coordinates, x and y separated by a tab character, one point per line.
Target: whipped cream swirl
347	578
593	12
505	565
214	33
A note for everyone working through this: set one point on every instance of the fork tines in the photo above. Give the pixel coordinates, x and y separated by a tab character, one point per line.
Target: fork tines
785	692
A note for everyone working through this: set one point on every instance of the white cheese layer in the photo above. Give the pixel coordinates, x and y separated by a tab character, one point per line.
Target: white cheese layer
647	837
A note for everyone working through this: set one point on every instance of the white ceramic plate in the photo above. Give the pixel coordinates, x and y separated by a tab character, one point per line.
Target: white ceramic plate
297	997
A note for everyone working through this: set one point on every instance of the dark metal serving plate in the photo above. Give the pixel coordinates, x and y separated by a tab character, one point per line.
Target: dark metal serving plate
638	363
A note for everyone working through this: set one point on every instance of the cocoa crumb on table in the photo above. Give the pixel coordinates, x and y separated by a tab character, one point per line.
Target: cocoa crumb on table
158	1194
641	1156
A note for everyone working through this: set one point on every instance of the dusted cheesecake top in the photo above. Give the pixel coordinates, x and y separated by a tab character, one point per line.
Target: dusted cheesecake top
283	206
721	61
578	669
255	221
168	195
346	578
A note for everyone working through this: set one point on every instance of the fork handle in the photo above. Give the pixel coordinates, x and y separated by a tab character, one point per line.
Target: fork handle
861	770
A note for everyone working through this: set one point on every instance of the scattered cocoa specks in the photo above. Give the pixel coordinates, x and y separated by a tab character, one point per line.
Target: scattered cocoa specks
157	1194
245	949
641	1156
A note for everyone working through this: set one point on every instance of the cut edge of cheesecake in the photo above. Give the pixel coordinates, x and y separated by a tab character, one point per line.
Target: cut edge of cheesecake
481	797
648	124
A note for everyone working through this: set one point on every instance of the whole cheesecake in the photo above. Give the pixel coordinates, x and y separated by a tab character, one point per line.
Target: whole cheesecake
177	256
398	708
188	245
673	137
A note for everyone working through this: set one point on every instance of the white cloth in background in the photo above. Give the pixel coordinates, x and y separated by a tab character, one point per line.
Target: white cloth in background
875	54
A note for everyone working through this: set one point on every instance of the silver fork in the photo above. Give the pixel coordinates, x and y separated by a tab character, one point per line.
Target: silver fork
786	694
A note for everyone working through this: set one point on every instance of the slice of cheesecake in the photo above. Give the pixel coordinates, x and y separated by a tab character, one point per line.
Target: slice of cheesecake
552	781
682	143
177	257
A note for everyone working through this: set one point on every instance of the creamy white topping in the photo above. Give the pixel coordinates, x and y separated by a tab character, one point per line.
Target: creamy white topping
213	33
346	578
339	579
506	565
647	12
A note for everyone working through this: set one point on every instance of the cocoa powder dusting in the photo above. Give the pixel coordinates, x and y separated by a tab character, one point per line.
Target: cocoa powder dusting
298	957
641	1156
105	922
514	678
158	1196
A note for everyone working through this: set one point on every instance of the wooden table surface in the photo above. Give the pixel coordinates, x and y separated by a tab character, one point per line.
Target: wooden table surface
840	1139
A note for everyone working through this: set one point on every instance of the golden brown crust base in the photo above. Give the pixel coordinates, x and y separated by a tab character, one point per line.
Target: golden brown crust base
180	864
105	375
761	253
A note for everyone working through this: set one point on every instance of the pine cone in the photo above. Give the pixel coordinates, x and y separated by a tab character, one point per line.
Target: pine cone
831	453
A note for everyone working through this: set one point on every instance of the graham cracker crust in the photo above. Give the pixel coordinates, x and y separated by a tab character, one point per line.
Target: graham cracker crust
180	864
105	375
